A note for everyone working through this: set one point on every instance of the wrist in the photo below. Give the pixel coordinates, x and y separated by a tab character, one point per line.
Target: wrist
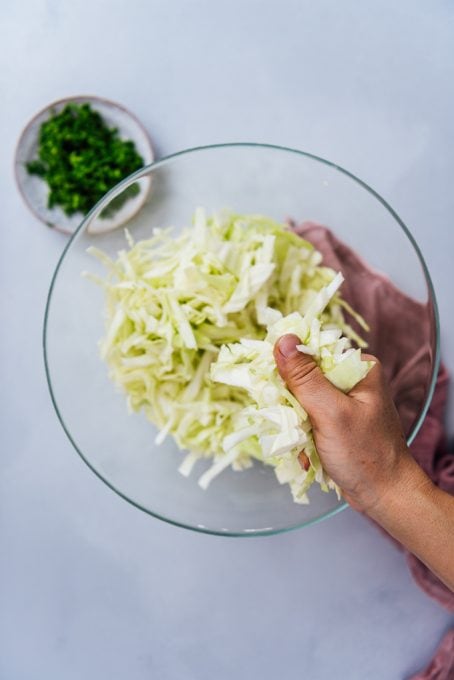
421	517
407	487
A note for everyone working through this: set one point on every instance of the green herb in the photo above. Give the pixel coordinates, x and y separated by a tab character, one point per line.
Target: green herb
81	158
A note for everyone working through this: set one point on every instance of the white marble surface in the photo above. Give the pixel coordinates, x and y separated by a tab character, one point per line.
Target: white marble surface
89	586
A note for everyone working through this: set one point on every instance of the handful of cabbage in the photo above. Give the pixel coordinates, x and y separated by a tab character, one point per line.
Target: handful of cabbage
191	321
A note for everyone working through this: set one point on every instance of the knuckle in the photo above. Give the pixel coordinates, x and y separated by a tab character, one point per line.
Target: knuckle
371	357
378	365
300	373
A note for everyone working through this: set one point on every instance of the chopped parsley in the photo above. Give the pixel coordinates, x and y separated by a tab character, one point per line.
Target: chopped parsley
81	158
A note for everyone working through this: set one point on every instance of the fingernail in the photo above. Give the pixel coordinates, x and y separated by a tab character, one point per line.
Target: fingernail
287	346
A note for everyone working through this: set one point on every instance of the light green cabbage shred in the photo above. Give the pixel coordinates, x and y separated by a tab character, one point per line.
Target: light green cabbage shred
191	321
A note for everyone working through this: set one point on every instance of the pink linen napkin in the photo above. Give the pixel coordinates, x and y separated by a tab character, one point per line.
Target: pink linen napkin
401	336
442	665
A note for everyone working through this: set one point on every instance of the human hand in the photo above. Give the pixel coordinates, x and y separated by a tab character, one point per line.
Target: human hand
362	447
358	435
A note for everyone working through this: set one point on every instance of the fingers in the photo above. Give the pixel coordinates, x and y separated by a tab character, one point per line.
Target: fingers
304	461
305	379
374	381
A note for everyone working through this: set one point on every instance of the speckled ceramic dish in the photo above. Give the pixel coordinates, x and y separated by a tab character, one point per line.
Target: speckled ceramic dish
35	191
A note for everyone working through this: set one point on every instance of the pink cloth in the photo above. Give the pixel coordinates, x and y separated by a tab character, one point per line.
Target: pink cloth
442	665
401	336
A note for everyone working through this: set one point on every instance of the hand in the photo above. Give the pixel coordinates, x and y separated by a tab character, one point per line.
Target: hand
362	447
358	435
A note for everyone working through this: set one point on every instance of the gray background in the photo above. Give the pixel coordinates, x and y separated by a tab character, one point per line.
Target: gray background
89	586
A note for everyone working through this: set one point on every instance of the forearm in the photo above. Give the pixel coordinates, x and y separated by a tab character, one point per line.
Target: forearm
421	517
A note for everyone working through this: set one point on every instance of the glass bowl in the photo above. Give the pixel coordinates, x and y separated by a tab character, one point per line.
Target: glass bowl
247	178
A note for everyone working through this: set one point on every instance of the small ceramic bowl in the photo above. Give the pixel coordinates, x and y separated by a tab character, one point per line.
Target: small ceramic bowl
35	191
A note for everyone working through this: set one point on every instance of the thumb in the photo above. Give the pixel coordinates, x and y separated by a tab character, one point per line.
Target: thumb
305	379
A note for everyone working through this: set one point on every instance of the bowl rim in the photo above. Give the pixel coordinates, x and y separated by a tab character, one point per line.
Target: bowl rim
209	147
91	99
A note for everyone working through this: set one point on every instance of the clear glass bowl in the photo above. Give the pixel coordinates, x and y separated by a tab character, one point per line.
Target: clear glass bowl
247	178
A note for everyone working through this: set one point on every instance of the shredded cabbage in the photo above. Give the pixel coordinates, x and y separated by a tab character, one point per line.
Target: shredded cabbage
191	321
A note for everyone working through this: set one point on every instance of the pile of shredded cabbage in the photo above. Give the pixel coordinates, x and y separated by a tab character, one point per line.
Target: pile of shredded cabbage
191	321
